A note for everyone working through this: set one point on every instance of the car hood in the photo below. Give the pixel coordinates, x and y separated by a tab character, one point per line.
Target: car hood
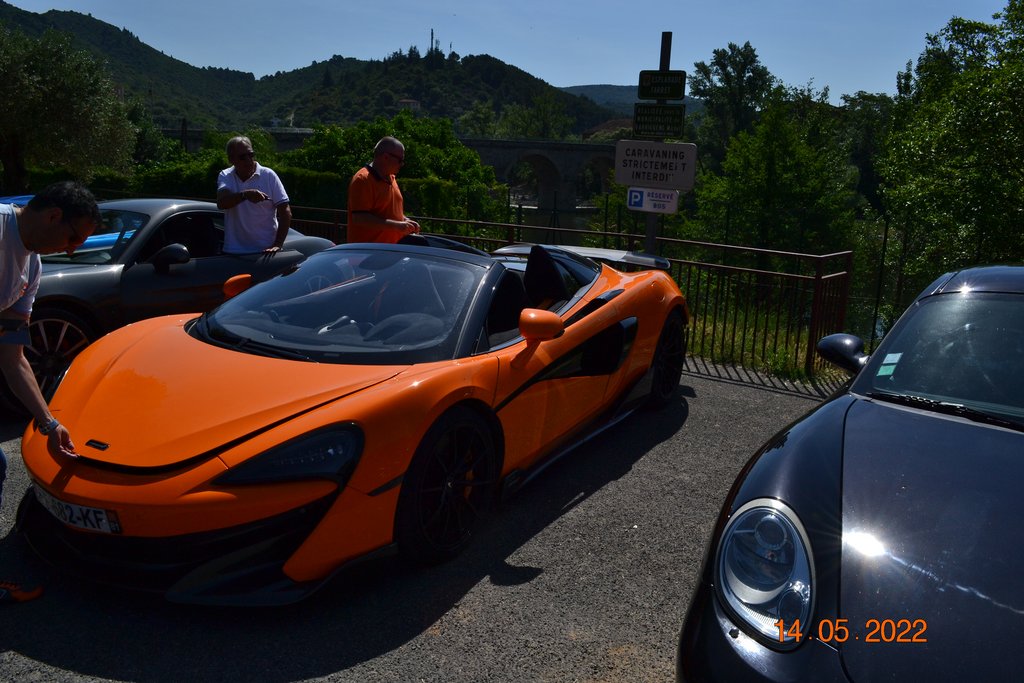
156	397
932	534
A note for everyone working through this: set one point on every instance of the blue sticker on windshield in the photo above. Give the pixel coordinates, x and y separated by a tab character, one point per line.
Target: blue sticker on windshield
888	365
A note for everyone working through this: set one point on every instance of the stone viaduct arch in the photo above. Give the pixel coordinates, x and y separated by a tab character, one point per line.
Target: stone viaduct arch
557	165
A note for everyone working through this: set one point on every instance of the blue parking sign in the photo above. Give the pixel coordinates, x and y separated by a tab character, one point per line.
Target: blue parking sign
635	199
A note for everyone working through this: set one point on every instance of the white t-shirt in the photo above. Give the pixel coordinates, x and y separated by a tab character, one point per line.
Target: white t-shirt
19	267
249	227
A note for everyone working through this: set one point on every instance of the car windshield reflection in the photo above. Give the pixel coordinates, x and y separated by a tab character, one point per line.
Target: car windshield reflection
351	306
107	242
964	349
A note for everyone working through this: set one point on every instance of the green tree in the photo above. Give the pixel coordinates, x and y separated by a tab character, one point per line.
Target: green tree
545	119
479	121
786	184
952	171
60	109
733	87
441	176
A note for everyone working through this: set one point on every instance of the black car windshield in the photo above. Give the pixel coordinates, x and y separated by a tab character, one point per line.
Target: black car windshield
108	241
960	348
351	306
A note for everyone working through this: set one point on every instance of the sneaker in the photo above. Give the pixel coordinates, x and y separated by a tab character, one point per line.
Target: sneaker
12	592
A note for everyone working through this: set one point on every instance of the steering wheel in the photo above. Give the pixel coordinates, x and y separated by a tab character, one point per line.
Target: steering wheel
316	283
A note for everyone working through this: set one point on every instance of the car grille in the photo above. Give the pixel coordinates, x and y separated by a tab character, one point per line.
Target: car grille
157	564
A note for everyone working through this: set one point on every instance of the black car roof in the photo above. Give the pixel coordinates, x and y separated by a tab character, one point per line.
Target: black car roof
1009	279
481	259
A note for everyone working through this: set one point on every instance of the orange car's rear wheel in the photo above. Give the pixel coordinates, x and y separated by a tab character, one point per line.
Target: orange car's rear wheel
668	361
449	488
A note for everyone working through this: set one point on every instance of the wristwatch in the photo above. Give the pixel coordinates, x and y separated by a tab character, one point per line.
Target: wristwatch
49	426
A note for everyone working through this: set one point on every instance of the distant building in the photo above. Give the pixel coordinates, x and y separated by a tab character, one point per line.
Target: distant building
407	103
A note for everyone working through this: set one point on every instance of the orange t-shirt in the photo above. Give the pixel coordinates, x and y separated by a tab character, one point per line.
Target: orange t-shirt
371	192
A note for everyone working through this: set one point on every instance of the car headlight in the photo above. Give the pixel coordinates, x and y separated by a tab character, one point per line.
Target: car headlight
765	572
331	453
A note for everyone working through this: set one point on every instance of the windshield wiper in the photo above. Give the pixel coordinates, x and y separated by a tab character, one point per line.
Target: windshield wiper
269	350
946	408
229	340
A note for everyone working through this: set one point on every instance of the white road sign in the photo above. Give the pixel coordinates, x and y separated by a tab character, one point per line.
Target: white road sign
667	165
651	200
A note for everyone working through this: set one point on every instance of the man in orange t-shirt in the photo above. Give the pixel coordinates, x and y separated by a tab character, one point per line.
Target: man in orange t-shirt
376	212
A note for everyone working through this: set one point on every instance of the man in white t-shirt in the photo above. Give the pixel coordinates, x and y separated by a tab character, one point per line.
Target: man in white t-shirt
58	218
256	208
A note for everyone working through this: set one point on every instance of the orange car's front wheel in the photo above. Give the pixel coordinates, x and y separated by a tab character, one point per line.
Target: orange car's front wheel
449	488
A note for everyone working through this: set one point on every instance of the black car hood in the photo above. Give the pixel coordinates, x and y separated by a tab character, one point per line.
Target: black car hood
933	533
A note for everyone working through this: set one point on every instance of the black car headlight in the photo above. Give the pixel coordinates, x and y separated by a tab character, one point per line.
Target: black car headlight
330	453
765	572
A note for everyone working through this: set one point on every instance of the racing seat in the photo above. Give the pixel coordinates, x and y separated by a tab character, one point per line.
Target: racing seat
508	302
545	287
409	290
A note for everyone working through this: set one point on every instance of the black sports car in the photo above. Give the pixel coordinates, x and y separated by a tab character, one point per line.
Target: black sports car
879	537
150	257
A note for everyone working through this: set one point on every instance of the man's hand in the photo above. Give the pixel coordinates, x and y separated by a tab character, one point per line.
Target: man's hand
255	196
58	442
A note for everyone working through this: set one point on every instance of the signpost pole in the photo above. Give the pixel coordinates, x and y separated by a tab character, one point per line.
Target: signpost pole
650	243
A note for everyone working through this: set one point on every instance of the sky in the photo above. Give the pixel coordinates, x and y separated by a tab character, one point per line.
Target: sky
842	45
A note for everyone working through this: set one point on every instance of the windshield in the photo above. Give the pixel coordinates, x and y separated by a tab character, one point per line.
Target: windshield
351	306
957	348
108	241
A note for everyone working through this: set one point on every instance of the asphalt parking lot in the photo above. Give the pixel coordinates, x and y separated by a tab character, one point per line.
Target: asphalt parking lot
583	576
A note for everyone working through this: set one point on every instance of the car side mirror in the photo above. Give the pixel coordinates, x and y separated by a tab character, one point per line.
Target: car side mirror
843	350
171	255
538	325
236	284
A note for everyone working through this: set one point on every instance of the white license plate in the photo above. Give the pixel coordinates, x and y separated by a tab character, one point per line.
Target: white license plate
80	516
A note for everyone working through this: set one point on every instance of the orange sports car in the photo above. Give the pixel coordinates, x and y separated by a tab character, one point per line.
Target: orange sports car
372	398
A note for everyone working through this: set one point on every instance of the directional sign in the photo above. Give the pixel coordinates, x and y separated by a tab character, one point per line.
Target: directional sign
658	120
661	85
663	165
654	201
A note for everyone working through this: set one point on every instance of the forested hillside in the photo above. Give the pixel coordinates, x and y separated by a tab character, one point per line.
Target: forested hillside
339	90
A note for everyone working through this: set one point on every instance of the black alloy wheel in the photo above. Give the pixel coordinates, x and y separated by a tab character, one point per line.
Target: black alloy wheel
450	487
668	361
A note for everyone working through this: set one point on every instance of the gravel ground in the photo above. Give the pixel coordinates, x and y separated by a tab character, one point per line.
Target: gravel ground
583	576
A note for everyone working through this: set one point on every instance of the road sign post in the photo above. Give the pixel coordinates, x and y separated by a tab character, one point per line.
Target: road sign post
657	166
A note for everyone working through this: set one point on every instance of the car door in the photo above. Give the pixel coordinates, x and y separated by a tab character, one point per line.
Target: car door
547	392
149	290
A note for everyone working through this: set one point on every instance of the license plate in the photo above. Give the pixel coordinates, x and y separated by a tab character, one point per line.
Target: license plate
80	516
